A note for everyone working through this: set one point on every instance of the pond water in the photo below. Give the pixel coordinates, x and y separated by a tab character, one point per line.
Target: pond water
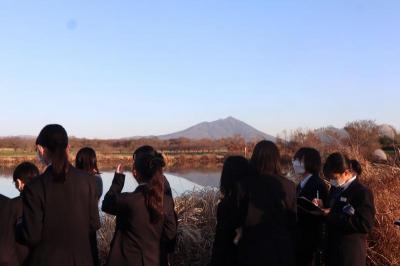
180	181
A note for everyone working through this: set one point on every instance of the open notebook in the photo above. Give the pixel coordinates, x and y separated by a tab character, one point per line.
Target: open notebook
307	206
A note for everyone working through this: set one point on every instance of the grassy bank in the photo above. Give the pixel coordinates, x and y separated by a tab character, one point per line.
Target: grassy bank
8	160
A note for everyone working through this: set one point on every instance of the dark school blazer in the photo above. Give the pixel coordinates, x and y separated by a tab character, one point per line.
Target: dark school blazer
8	255
309	227
347	234
271	239
137	240
59	217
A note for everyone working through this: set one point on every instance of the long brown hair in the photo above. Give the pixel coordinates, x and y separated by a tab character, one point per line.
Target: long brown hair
54	138
149	164
86	160
266	159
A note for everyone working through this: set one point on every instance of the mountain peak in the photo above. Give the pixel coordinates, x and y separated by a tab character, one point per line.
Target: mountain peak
231	118
221	128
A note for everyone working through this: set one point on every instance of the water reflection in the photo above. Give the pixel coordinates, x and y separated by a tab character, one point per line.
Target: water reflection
201	177
180	182
178	185
7	187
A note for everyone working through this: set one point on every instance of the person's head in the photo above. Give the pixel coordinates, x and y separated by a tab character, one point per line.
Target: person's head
86	160
52	148
266	158
148	168
234	173
23	174
339	168
307	161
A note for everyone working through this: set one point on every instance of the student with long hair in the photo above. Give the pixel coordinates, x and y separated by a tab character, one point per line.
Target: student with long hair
269	230
231	210
307	167
145	217
60	209
349	212
86	160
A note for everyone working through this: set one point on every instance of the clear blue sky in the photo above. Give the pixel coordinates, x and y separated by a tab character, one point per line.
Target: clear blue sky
126	68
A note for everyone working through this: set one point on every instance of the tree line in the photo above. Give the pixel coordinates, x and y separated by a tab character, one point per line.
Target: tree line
362	137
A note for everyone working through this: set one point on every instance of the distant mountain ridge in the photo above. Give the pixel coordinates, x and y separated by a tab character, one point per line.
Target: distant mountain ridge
222	128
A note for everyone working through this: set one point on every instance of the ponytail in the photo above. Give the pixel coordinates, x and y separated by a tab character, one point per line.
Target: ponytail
149	164
155	197
356	167
55	139
60	164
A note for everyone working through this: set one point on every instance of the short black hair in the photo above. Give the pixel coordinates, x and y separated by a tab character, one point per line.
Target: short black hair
311	158
338	163
25	171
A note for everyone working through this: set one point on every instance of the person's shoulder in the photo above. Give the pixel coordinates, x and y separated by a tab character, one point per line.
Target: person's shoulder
316	179
81	175
4	201
42	178
38	185
38	181
17	204
270	182
138	193
3	198
285	181
98	177
16	199
135	199
75	172
361	188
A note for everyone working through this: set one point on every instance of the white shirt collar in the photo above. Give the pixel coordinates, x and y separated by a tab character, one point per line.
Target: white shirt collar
303	182
348	183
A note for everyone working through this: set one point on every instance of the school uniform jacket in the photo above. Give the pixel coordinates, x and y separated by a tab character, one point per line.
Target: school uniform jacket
8	255
271	240
136	240
347	234
167	247
230	216
309	227
59	217
22	251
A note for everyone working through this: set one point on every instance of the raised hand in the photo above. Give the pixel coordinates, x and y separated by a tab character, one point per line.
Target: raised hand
119	169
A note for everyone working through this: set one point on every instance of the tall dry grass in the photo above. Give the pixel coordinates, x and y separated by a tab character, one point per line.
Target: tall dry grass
384	241
197	219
